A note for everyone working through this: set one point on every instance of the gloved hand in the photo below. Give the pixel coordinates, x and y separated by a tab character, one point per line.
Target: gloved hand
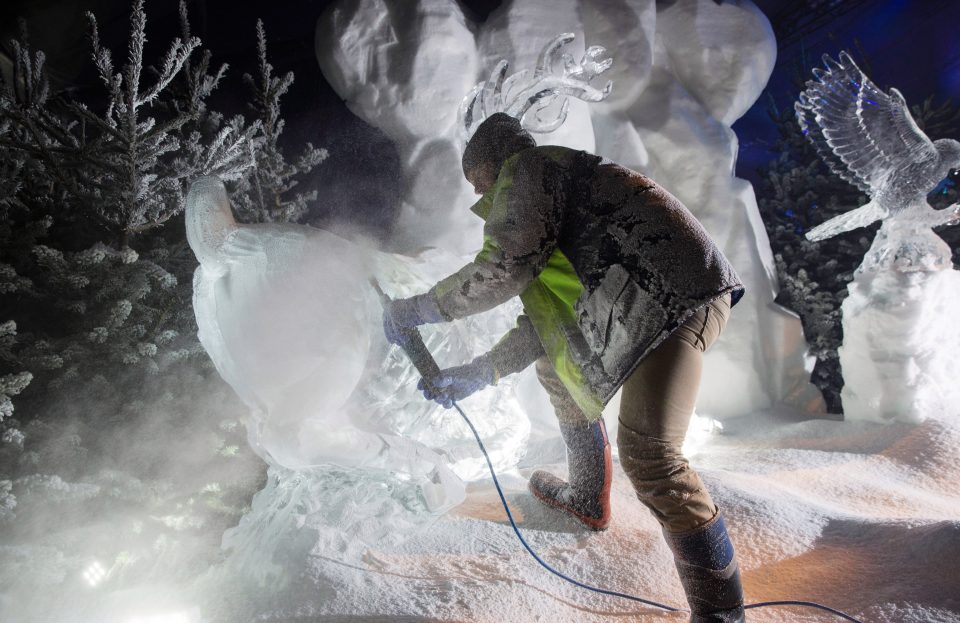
402	314
454	384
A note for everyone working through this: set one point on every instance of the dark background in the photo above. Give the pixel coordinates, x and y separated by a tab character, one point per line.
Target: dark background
909	44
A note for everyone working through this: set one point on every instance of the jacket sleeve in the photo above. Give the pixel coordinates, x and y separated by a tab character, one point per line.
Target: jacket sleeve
519	237
517	349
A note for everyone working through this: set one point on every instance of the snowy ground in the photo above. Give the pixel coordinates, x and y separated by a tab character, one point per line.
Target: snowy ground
862	517
859	516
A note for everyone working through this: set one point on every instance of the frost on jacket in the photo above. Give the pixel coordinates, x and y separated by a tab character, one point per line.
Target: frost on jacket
641	264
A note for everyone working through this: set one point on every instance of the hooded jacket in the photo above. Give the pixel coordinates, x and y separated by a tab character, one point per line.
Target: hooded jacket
606	262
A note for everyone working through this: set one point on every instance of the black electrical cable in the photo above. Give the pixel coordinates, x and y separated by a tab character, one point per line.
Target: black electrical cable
506	507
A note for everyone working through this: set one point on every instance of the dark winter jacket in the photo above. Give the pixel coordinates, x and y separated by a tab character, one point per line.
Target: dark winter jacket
606	262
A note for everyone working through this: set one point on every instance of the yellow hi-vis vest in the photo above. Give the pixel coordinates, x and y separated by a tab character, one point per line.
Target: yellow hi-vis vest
548	302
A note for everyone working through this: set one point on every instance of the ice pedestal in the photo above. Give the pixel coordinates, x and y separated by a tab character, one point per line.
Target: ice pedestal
900	345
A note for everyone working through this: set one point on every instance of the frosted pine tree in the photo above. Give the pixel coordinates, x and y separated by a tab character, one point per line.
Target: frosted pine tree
188	95
139	180
19	229
798	192
267	193
92	287
97	333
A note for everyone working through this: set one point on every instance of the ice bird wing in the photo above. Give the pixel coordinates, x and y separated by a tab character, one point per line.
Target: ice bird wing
866	136
848	221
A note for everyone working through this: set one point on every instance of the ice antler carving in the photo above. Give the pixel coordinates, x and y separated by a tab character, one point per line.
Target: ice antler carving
528	95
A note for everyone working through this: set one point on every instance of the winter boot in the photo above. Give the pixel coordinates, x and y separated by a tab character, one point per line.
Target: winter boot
587	495
709	573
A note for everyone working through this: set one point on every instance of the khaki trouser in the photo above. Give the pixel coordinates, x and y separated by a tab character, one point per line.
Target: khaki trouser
656	405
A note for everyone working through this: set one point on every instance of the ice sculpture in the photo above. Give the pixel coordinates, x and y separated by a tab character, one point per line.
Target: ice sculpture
404	68
704	68
686	70
869	138
288	317
529	96
899	349
516	32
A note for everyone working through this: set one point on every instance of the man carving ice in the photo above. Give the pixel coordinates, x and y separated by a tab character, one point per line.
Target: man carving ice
621	286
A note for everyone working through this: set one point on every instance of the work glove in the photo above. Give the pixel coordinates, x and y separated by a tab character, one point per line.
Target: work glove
402	314
454	384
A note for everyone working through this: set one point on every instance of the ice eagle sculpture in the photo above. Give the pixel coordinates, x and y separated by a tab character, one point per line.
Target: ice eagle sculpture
537	98
898	355
870	139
